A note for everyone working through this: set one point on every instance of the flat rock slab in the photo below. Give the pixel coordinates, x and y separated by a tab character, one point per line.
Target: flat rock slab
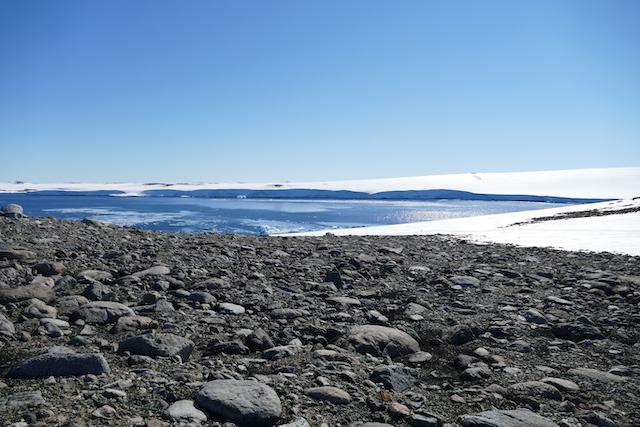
594	374
158	270
19	254
103	312
381	340
576	332
99	275
61	364
465	281
533	389
512	418
561	384
22	293
245	402
158	345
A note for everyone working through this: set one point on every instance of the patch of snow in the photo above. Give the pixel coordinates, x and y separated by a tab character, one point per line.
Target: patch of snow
618	233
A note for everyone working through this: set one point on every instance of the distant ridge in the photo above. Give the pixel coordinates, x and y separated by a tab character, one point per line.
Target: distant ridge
576	185
312	194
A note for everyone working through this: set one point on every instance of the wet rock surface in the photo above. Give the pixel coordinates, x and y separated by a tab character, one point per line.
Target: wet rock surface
103	325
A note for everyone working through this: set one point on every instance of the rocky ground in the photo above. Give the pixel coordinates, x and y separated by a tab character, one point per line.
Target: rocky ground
102	325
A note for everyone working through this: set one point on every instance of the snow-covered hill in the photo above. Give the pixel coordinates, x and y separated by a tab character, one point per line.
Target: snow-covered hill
609	183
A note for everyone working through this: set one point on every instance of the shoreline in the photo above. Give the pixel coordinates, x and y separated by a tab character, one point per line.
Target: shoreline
606	227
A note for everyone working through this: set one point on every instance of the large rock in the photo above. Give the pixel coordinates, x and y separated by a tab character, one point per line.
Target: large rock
39	310
21	293
21	400
158	345
576	332
61	364
12	210
47	268
19	254
381	340
596	375
511	418
183	410
6	326
134	323
528	390
102	312
70	303
245	402
392	377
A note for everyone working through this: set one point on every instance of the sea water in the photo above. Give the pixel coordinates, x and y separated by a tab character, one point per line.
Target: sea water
253	216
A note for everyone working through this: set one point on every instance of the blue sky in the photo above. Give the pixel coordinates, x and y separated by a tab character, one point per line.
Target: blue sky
295	90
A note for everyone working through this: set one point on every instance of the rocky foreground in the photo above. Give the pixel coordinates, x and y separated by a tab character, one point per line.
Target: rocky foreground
102	325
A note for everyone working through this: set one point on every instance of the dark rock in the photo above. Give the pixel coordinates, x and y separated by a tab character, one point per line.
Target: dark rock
463	334
577	332
395	378
61	365
334	277
47	268
258	340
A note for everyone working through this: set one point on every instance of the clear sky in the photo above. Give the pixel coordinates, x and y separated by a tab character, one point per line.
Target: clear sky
153	90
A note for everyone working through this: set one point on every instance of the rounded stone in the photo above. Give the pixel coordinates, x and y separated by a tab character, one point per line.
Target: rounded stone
241	401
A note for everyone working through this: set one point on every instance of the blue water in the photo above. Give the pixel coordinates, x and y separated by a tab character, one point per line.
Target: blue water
254	216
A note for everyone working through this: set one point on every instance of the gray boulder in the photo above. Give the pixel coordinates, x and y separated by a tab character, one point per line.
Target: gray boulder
6	326
102	312
241	401
19	254
528	390
70	303
158	345
184	411
38	309
511	418
21	293
12	210
21	400
381	340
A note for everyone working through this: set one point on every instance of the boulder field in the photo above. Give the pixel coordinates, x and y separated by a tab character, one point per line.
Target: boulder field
105	325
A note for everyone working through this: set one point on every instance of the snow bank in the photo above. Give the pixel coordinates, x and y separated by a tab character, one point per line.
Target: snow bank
618	233
610	183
